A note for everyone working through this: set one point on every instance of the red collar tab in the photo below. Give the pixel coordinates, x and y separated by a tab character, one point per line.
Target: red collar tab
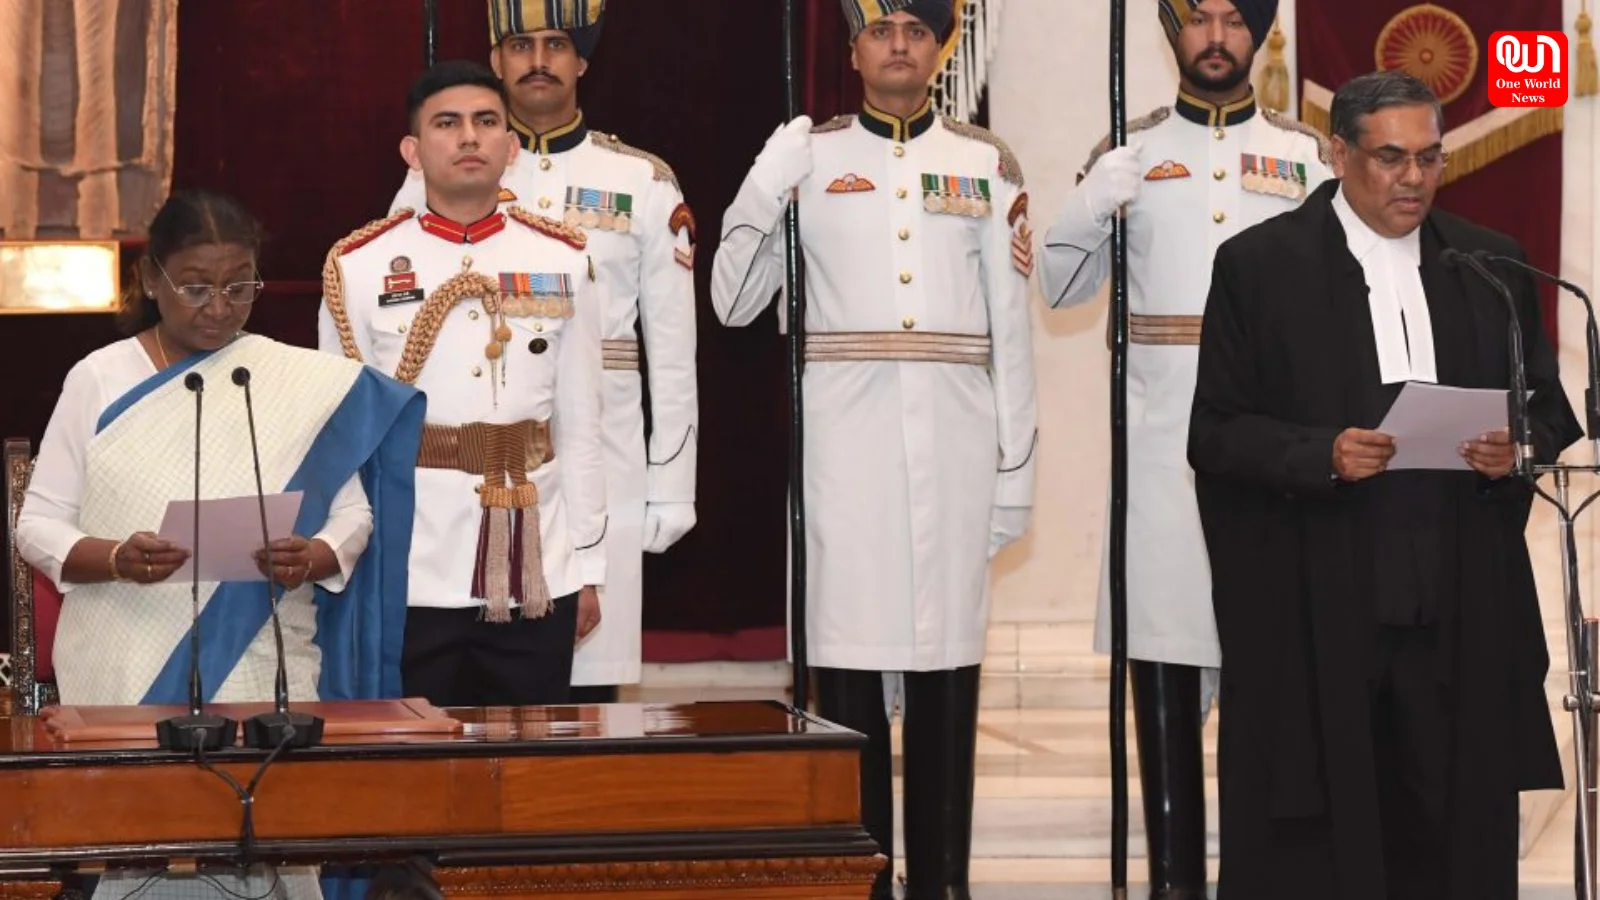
456	233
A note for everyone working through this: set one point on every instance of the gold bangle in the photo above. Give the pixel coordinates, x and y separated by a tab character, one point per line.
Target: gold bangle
116	575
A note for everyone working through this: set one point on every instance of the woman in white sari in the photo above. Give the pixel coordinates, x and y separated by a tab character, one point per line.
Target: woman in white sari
120	446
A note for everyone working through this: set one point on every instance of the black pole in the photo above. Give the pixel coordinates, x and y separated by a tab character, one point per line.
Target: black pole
795	286
430	28
1119	476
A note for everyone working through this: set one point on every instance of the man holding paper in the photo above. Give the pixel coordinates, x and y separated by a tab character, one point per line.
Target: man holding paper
1383	657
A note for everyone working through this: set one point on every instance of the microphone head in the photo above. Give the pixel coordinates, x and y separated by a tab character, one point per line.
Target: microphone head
194	382
241	376
1451	256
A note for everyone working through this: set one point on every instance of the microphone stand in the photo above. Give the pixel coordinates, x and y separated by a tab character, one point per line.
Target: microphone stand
1583	632
196	731
280	729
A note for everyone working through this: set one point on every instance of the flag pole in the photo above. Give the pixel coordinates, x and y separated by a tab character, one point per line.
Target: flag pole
794	286
430	30
1119	476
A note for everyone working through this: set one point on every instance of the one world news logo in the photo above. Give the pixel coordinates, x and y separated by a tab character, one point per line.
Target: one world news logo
1528	68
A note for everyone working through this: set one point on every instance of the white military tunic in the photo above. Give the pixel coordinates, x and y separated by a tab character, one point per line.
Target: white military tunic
641	238
550	370
1210	173
918	227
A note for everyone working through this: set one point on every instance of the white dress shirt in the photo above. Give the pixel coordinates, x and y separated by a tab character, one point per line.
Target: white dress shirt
1401	326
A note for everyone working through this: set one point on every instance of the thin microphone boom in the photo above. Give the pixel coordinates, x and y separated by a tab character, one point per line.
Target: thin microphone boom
1517	398
196	731
280	728
280	688
196	383
1591	391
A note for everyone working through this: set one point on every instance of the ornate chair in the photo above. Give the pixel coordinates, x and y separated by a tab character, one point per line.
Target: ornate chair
35	602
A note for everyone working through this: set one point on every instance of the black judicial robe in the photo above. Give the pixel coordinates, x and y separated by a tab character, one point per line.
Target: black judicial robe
1287	361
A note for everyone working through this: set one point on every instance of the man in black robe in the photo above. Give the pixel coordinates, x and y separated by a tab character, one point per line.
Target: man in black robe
1383	658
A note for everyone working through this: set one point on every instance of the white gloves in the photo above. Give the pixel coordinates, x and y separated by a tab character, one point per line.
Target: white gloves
1113	182
786	159
665	523
1006	524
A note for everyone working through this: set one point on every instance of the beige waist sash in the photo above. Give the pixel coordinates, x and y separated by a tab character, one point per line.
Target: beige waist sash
1180	330
620	355
898	346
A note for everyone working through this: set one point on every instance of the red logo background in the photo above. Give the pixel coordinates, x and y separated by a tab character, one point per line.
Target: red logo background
1547	85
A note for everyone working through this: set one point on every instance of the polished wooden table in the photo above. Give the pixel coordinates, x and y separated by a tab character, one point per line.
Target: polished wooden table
737	800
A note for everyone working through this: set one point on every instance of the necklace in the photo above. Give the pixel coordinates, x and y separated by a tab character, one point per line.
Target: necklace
160	347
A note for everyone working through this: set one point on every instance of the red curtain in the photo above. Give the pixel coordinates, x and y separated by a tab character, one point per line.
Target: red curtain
829	85
1516	192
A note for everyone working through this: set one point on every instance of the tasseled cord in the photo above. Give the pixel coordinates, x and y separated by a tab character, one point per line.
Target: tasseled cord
510	559
1273	90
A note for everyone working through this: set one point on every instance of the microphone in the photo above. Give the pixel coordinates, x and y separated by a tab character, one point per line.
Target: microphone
280	728
1517	398
1591	391
196	731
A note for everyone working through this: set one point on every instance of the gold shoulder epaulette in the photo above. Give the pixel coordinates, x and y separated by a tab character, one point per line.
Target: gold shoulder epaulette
837	123
1143	123
566	234
663	172
1010	169
366	233
1279	120
333	276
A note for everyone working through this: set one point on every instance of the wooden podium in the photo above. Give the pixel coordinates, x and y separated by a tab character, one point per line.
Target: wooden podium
736	800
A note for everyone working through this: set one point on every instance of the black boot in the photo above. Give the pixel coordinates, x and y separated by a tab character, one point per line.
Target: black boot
940	746
854	699
1166	710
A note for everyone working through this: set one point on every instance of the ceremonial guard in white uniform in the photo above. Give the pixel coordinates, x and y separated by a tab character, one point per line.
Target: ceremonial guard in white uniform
641	237
1193	175
920	416
497	321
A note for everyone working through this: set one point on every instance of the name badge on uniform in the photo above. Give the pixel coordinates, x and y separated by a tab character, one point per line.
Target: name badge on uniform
955	195
532	295
590	209
1268	175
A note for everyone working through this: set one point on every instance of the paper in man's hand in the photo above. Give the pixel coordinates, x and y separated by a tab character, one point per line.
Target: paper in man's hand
1429	422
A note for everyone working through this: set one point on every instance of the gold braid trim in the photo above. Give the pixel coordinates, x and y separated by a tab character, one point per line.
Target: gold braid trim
1479	152
561	231
1279	120
1148	120
430	318
1010	168
333	276
837	123
662	171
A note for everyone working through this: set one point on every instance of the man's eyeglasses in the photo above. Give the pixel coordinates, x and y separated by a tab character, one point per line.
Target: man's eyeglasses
1391	160
241	293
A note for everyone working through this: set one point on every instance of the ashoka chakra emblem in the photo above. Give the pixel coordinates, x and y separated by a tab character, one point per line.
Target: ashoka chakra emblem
1433	45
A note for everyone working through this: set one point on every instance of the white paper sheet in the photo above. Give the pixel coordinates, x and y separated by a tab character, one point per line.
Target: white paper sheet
1429	422
231	532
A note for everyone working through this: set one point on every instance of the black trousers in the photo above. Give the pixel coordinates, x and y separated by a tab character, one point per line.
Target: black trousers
1167	726
939	747
594	693
1410	703
455	658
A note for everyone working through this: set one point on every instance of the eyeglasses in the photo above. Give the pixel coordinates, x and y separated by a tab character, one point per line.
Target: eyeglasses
1389	159
241	293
